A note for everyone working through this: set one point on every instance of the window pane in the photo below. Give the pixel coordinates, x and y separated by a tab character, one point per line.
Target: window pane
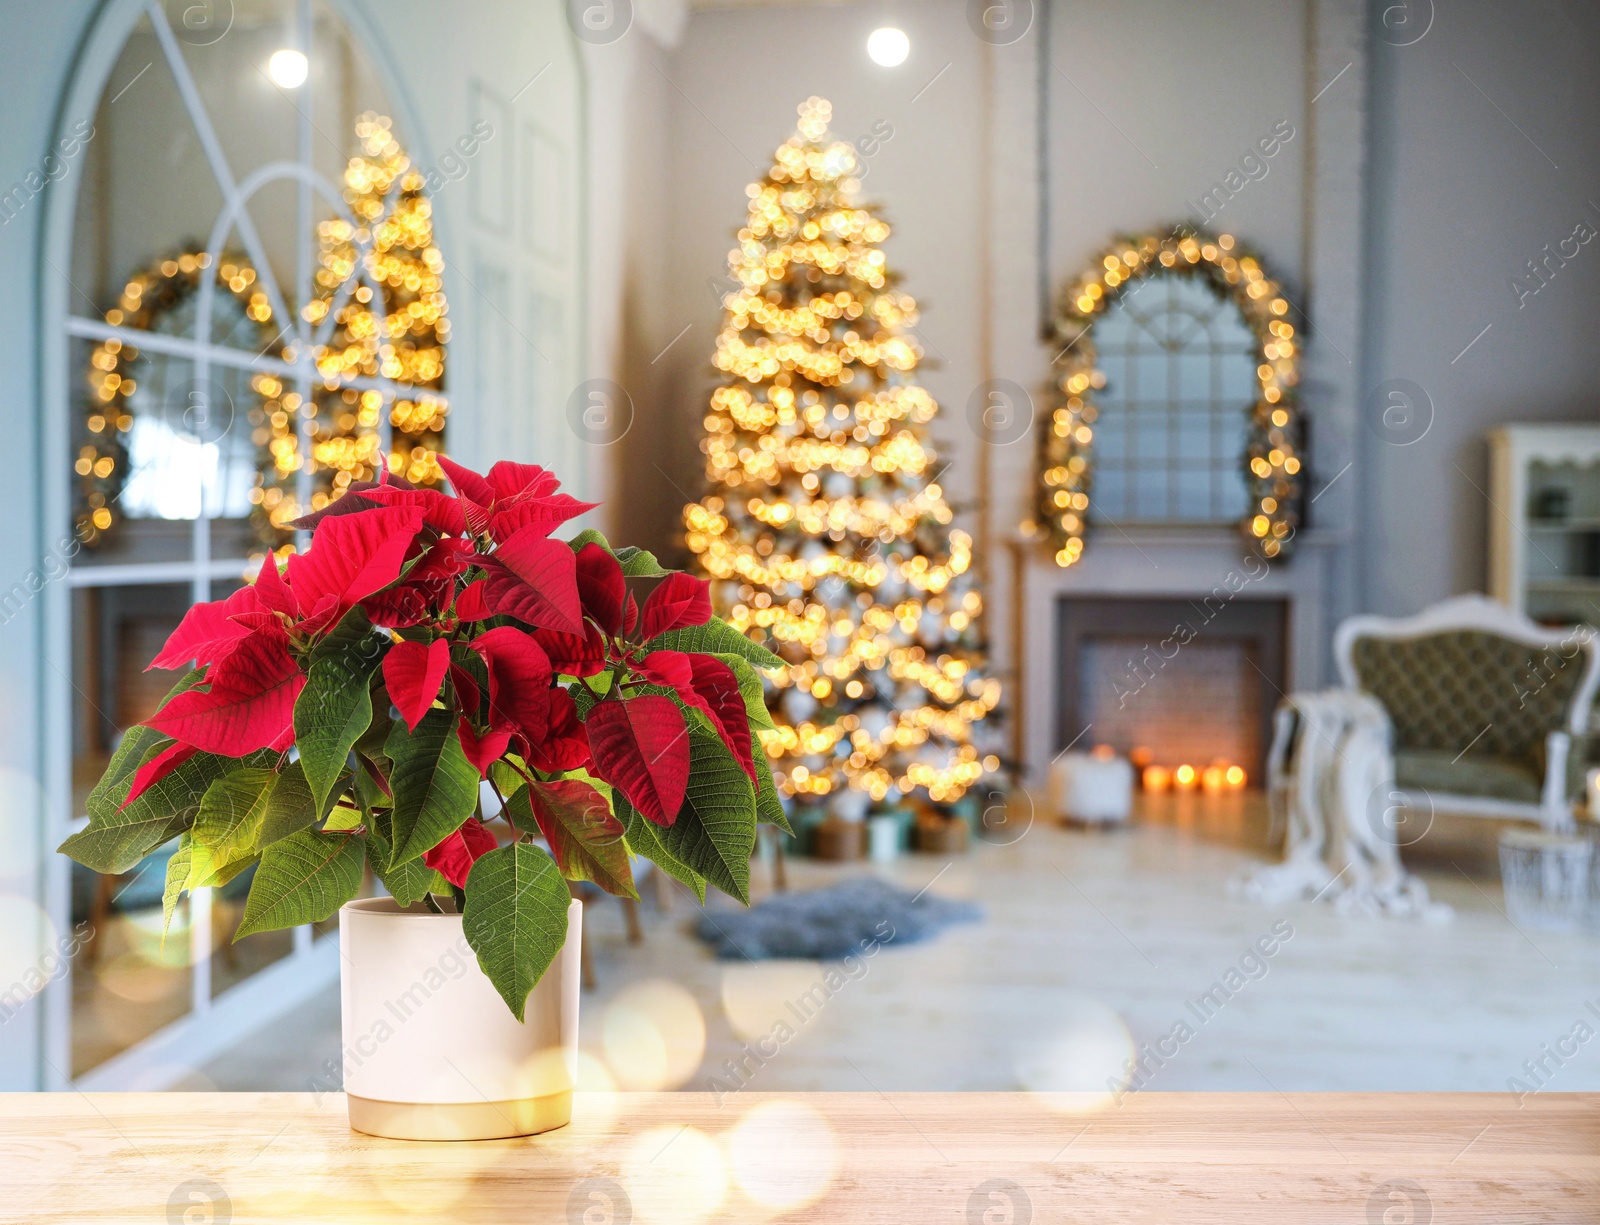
1109	494
1180	363
233	963
191	434
127	981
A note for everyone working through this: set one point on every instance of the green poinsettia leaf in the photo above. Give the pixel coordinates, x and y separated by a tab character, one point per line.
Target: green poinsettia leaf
177	881
435	786
335	707
216	875
408	882
344	818
642	839
290	808
715	637
750	689
228	825
369	795
640	563
769	806
584	836
303	878
515	918
641	834
715	830
192	868
117	838
508	773
370	743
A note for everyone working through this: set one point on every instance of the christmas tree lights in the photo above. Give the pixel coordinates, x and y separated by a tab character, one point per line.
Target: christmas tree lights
824	531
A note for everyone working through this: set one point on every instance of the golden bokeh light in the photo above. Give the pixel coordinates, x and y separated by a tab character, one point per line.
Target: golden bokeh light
653	1036
674	1175
783	1155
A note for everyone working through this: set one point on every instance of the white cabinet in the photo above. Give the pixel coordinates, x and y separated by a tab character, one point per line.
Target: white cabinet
1544	525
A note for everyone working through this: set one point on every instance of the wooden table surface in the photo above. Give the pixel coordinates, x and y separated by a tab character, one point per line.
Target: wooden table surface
906	1158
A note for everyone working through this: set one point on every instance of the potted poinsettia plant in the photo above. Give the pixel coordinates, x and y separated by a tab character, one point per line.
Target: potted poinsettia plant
356	707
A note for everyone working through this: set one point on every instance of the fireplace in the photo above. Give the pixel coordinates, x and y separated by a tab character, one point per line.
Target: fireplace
1188	681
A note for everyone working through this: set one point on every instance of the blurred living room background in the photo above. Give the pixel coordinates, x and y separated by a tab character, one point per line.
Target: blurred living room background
1267	446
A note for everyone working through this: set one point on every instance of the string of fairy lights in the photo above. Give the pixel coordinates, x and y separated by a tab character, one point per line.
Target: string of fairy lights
397	334
823	530
1066	457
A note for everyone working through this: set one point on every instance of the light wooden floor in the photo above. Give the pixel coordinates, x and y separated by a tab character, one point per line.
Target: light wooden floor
1094	944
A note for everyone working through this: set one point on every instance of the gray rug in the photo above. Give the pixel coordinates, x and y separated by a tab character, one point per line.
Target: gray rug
830	923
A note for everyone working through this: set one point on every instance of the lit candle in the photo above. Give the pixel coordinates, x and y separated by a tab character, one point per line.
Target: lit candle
1157	778
1183	777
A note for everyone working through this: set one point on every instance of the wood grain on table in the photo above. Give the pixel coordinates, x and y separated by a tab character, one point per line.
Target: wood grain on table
906	1158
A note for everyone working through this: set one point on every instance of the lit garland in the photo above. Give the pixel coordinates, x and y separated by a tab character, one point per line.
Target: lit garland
407	347
101	462
1273	465
823	531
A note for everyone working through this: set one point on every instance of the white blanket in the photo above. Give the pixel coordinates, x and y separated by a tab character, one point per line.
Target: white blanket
1331	777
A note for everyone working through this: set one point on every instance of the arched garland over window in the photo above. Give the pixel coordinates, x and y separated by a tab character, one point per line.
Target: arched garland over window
101	463
1066	442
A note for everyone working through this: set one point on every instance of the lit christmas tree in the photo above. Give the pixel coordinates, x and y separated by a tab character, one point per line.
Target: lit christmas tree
400	338
823	529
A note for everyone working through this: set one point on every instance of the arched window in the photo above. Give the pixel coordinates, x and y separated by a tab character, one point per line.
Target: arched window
1177	400
1180	373
255	316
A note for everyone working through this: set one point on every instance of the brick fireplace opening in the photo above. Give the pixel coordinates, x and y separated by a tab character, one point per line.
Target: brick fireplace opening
1188	681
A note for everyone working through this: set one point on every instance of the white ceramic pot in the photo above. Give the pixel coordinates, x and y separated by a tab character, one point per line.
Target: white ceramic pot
431	1052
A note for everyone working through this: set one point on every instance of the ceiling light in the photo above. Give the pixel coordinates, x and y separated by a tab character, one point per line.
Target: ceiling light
289	68
888	46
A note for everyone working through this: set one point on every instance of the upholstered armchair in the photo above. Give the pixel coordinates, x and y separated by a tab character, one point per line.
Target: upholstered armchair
1489	710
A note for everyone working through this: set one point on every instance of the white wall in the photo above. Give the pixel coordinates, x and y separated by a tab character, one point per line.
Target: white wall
1460	200
1134	137
711	114
1150	103
1139	127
